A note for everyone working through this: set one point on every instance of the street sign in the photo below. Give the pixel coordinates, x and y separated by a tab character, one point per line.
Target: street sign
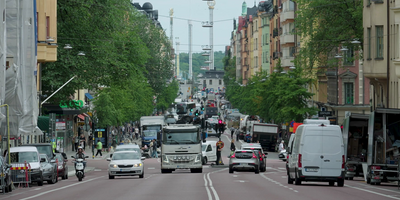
324	113
220	143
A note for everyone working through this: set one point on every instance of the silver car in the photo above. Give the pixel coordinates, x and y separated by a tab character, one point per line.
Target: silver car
126	163
244	160
49	169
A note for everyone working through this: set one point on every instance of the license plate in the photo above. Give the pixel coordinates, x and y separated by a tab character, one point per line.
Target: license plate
210	131
243	164
311	169
180	166
125	170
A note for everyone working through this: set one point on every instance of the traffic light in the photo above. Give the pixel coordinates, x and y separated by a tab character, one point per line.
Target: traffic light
197	113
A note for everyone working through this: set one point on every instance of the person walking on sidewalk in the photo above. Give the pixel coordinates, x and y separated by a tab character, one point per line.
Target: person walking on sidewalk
99	147
76	143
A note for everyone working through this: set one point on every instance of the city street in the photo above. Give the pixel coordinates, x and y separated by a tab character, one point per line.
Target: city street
213	184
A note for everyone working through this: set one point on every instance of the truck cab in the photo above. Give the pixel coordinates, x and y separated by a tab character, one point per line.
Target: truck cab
181	148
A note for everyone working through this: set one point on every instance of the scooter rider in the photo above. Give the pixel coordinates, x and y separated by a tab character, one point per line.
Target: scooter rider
81	156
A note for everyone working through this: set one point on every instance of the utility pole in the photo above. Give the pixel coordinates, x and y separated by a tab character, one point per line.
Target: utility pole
177	59
190	50
211	5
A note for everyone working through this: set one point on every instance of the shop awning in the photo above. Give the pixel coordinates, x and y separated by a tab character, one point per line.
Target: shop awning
89	96
82	116
43	123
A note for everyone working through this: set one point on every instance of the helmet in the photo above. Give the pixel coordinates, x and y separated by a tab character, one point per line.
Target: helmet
80	148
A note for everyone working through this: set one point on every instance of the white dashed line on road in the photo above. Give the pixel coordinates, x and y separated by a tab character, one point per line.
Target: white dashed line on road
278	183
151	168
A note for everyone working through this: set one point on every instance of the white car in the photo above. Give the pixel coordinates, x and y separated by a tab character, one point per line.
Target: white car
126	163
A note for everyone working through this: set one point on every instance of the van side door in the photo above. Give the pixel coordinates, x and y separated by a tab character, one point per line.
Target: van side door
332	152
311	151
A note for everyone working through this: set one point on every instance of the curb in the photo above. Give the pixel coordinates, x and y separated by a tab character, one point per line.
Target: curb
219	166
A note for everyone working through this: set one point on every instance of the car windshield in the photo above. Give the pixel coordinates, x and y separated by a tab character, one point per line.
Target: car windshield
137	150
59	157
181	138
150	133
126	156
45	150
203	148
21	157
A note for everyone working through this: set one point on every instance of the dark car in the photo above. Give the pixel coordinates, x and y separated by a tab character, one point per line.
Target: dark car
61	159
6	173
263	160
43	148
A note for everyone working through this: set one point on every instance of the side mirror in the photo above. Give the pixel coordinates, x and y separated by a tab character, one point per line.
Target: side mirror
108	159
266	153
265	156
111	155
72	157
52	161
143	158
86	156
43	160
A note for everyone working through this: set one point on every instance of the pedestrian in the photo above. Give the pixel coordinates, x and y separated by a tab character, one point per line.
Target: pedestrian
90	140
151	148
155	154
76	143
233	147
218	153
232	131
99	147
136	133
82	139
281	146
237	134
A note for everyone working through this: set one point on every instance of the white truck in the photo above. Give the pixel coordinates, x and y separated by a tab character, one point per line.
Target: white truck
150	127
383	146
181	148
266	135
355	140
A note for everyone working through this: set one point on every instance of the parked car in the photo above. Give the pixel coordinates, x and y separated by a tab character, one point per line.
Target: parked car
62	165
288	150
30	155
317	155
43	148
244	160
49	169
126	163
6	173
259	152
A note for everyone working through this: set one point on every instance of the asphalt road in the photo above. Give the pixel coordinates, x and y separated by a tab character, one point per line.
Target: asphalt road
212	184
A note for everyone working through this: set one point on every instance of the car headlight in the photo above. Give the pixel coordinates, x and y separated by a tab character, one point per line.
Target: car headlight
113	166
165	159
137	165
198	158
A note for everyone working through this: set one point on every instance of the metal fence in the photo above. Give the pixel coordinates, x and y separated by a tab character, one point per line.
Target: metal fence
21	173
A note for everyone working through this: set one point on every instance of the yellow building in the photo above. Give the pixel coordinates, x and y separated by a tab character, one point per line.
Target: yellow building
46	12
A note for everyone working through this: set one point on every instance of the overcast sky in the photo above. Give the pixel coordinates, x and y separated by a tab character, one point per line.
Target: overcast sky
197	10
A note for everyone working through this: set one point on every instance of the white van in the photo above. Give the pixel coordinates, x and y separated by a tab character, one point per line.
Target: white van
28	154
317	121
209	151
317	155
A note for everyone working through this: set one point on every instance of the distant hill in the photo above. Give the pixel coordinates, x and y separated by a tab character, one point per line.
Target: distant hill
198	62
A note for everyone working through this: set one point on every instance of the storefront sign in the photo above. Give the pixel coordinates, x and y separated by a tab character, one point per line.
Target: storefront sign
60	125
72	104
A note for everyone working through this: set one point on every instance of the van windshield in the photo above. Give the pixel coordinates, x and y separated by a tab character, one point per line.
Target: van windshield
21	157
45	150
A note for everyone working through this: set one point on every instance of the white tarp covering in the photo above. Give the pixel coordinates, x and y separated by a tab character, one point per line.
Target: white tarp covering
3	55
21	93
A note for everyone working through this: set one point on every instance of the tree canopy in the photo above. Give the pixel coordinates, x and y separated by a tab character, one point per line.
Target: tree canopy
127	59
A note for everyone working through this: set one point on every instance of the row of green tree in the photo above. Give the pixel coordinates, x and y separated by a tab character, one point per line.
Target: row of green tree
324	27
127	60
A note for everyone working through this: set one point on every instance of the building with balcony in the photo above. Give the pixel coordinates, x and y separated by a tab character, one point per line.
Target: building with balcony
381	21
264	13
275	25
287	39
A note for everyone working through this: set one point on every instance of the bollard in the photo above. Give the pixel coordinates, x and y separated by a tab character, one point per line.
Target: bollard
26	174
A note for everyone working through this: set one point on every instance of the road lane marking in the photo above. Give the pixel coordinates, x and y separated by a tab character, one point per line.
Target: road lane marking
277	183
97	170
208	190
149	177
212	187
282	168
377	193
61	188
151	168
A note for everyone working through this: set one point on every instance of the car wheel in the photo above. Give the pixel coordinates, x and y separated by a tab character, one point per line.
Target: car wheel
340	183
230	170
141	175
331	183
40	183
351	178
368	180
164	171
53	180
64	177
110	177
297	180
289	180
257	171
204	160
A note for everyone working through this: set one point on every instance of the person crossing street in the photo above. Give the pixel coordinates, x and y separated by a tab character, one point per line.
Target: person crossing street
99	147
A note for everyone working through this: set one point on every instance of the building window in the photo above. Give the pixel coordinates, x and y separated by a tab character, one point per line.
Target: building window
220	82
47	27
348	93
379	41
210	82
369	42
348	57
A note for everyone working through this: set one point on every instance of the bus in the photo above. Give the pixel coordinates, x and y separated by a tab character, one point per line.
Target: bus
184	108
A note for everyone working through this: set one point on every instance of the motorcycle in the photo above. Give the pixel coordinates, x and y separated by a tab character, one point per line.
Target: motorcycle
282	155
79	167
